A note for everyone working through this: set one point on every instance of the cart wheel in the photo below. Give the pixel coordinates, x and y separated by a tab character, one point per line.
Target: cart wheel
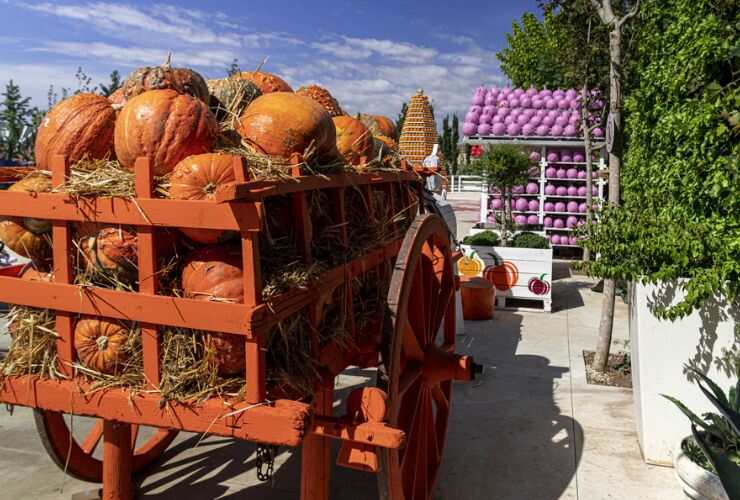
78	460
420	295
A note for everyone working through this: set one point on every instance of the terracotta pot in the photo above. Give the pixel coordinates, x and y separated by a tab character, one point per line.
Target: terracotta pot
478	297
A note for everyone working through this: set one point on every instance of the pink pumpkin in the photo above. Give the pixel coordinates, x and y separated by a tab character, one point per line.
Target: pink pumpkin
520	220
549	206
498	129
532	188
579	158
550	189
551	172
484	129
582	208
563	104
548	221
548	120
551	103
570	131
522	120
598	132
558	223
561	173
561	191
535	156
572	206
581	174
542	130
517	189
533	220
538	103
572	191
509	119
560	206
556	131
571	173
582	191
469	128
572	240
513	130
521	204
555	239
552	157
528	129
497	204
534	205
571	221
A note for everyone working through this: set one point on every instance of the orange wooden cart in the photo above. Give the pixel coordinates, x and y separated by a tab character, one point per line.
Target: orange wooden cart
396	430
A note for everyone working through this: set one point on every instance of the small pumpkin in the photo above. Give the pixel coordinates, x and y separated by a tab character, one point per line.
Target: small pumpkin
354	140
282	123
80	126
266	82
322	97
215	273
182	80
196	178
231	96
113	250
380	125
166	126
101	344
27	236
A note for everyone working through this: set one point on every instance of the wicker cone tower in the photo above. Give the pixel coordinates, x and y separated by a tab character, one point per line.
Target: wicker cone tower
419	132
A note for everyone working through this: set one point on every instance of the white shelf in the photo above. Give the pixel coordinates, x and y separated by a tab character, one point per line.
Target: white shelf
561	245
574	197
580	214
556	229
567	179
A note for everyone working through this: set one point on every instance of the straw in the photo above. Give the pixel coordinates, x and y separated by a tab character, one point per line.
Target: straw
33	343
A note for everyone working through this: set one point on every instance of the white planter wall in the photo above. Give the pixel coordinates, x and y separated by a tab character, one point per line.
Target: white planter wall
660	349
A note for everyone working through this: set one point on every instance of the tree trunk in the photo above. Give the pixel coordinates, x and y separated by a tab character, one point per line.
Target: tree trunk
589	179
615	163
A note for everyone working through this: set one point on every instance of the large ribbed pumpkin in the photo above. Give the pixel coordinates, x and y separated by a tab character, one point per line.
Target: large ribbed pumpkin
282	123
215	273
101	344
354	140
196	178
165	125
182	80
79	126
27	236
323	97
266	82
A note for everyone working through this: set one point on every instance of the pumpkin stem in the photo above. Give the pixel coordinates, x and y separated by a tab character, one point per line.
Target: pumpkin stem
209	188
102	343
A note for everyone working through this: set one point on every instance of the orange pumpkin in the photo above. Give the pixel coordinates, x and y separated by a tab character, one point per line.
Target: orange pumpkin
79	126
197	178
100	344
354	140
166	126
113	250
266	82
322	97
182	80
380	125
282	123
117	98
214	273
27	236
503	276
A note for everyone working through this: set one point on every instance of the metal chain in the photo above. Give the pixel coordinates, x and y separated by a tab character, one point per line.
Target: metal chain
265	461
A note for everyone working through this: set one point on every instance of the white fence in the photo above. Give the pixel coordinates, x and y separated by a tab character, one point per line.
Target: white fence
470	183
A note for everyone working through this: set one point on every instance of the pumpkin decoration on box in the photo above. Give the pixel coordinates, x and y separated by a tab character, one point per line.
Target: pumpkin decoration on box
282	123
77	127
266	82
165	126
27	236
181	80
198	177
102	345
503	276
538	285
215	273
323	97
354	140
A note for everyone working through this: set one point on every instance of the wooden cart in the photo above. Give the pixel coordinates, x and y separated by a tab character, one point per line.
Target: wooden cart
397	430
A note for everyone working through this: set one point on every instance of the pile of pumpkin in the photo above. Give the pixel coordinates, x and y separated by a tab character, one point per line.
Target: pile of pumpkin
190	129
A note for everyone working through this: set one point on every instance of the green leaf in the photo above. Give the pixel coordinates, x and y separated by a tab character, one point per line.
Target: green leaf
728	471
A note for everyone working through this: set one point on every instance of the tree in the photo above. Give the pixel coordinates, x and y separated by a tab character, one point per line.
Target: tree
401	117
531	57
616	23
503	166
234	68
448	142
680	217
115	84
14	121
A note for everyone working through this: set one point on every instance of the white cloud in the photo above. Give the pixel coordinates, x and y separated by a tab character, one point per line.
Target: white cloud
363	48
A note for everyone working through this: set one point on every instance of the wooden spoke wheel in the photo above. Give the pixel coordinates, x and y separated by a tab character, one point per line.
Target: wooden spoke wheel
79	458
416	364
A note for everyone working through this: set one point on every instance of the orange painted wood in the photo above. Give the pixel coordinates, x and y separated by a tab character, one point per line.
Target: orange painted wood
256	190
301	217
256	391
316	454
155	212
283	423
477	298
117	462
148	277
63	272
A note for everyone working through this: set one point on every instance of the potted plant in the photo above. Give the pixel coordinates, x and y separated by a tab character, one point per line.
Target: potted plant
707	462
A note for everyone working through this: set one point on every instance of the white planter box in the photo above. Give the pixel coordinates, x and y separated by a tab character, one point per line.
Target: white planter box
660	349
533	271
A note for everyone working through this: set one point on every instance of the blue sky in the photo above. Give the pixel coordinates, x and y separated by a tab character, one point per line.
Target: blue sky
371	55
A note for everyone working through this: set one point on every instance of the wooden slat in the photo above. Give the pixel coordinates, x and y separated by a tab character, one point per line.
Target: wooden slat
154	212
283	423
256	190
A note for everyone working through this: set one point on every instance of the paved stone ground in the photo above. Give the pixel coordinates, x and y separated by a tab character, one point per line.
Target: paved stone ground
532	428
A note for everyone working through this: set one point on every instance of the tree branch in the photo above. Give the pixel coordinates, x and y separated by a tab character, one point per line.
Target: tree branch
632	13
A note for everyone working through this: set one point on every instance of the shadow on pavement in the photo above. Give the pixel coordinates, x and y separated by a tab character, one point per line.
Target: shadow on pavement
510	434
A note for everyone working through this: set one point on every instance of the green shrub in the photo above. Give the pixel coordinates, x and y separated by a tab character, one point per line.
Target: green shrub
483	239
530	240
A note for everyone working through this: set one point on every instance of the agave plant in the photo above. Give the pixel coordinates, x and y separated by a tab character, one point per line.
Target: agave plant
718	434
